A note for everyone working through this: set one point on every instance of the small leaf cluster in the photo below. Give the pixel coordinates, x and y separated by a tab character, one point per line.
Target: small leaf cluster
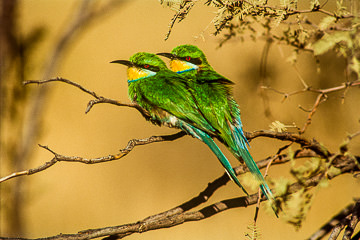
335	29
255	233
298	204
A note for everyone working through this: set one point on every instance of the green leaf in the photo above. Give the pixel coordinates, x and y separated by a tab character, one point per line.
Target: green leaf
333	171
324	183
326	22
282	186
329	41
277	126
249	180
255	233
355	65
298	207
284	3
172	4
292	59
281	16
341	9
308	169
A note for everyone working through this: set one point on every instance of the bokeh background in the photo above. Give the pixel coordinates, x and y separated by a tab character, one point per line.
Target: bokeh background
70	197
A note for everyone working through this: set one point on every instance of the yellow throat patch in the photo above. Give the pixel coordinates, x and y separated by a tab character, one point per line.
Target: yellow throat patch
178	65
136	73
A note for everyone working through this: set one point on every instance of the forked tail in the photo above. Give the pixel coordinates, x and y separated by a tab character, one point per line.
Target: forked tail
215	149
243	152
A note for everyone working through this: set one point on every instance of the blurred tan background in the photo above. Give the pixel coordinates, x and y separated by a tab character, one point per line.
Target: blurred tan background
70	197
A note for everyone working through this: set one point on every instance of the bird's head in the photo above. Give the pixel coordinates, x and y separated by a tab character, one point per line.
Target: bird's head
142	65
186	58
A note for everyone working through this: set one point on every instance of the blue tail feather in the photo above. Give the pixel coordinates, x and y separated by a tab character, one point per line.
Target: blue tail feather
243	152
204	137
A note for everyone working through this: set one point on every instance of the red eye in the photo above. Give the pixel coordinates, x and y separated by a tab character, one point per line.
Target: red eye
146	66
188	58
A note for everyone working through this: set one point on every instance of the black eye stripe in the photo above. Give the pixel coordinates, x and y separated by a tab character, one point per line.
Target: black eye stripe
196	61
149	67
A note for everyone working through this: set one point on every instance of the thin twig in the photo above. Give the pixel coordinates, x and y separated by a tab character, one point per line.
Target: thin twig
306	86
184	9
59	79
320	99
259	190
270	161
343	86
98	98
351	136
263	77
123	152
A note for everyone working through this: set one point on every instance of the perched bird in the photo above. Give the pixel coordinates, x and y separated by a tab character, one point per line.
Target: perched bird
165	95
214	99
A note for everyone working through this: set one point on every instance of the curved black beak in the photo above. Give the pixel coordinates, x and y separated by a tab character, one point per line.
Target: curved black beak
168	55
123	62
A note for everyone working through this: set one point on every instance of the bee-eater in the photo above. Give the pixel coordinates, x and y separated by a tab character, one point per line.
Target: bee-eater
214	99
165	95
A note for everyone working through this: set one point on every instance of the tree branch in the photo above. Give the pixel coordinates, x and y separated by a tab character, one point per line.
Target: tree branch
348	220
354	220
331	224
180	214
287	136
123	152
284	136
98	98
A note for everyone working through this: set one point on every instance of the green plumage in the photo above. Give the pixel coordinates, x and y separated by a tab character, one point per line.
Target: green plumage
165	93
166	96
215	101
212	93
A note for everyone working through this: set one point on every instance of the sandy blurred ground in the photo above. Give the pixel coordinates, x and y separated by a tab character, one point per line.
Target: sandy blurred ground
70	196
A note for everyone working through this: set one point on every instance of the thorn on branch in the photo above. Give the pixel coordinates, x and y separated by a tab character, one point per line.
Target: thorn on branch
304	109
47	148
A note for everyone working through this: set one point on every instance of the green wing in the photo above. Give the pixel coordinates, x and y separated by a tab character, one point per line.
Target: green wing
213	95
167	91
210	76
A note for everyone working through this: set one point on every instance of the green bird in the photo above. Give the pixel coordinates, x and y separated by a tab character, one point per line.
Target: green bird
166	96
214	99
